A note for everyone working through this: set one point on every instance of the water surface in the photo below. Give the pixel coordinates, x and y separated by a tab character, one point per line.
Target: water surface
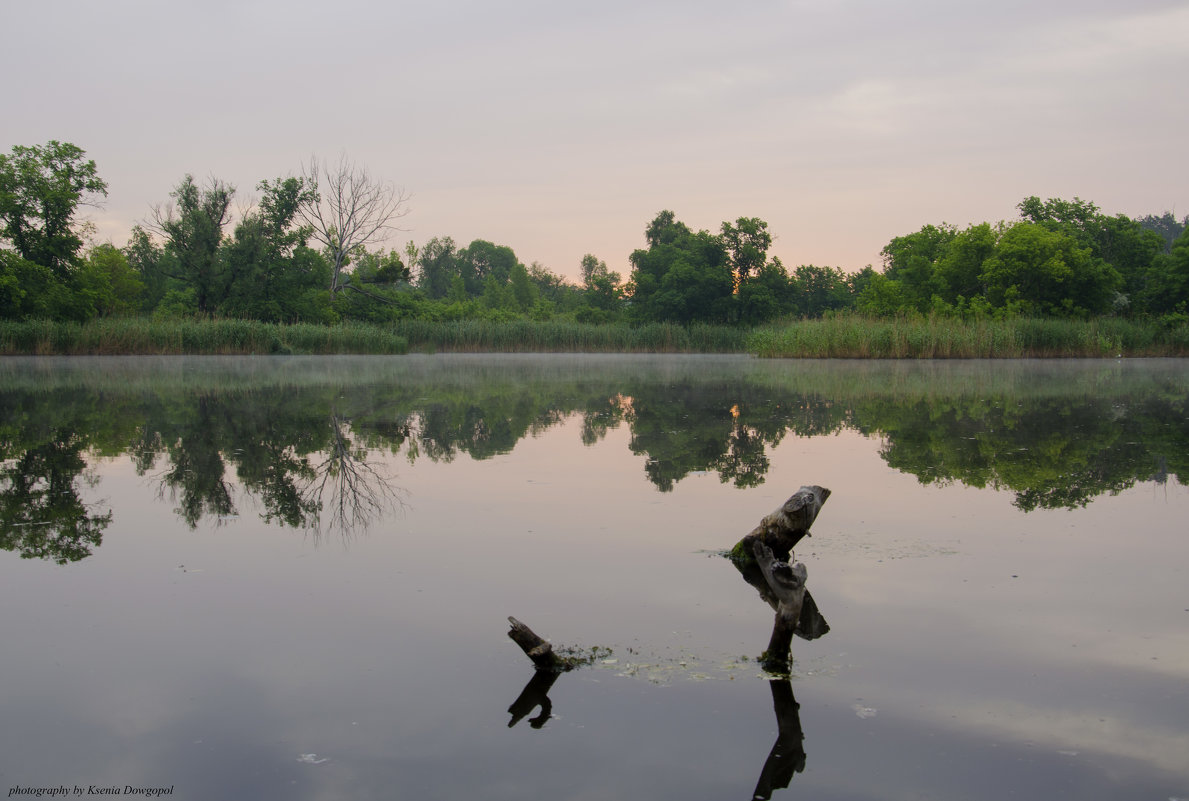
290	577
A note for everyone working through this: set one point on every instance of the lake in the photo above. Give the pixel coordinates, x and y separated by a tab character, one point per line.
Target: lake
290	577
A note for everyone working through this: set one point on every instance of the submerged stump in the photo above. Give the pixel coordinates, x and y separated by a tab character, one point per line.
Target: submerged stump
787	582
548	666
783	528
776	535
536	648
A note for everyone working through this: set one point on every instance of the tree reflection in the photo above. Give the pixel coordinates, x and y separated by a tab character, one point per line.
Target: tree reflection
1051	453
307	450
787	757
47	438
196	475
351	490
692	427
42	515
306	473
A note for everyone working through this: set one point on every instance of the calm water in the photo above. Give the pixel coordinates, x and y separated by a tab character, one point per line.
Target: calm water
289	578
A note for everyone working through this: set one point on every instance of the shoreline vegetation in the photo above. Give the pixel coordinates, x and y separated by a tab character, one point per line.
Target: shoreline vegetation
307	270
839	337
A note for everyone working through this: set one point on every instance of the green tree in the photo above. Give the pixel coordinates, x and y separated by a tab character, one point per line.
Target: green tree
879	296
1178	270
115	288
481	259
381	267
590	267
1166	225
665	229
817	290
600	286
960	268
497	296
1127	246
858	281
523	291
911	261
271	274
766	295
145	258
193	231
29	290
41	189
1168	290
682	277
747	242
554	293
1037	271
438	266
375	289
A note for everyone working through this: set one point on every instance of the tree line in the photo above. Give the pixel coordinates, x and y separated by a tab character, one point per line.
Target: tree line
312	249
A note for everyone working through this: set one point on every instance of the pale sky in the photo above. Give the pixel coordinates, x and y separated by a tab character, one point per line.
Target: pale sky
561	129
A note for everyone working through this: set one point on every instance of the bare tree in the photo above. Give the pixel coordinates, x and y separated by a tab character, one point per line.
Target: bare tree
350	209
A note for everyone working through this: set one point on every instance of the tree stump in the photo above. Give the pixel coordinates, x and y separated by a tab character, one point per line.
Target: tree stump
779	532
787	582
536	648
783	528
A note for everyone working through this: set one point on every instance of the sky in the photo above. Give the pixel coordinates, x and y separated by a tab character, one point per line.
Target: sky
561	129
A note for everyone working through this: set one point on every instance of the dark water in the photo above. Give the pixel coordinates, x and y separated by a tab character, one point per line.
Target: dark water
289	578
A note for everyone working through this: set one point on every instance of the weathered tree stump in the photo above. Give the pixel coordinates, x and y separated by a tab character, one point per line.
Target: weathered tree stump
787	583
782	529
779	532
549	665
536	648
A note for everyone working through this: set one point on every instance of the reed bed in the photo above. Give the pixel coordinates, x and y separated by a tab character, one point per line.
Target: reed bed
141	336
852	337
568	337
839	337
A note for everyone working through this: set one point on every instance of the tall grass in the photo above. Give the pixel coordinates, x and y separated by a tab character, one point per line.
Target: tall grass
146	336
569	337
943	338
838	337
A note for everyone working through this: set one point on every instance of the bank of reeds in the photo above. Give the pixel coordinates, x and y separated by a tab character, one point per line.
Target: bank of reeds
838	337
526	336
853	337
142	336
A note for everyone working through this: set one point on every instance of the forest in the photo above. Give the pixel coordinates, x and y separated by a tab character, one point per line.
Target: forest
312	250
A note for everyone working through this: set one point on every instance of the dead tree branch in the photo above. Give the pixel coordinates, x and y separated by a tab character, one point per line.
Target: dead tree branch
351	209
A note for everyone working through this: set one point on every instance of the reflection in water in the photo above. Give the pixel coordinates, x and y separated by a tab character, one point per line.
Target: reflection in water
298	434
295	488
787	756
41	513
781	585
353	492
535	694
